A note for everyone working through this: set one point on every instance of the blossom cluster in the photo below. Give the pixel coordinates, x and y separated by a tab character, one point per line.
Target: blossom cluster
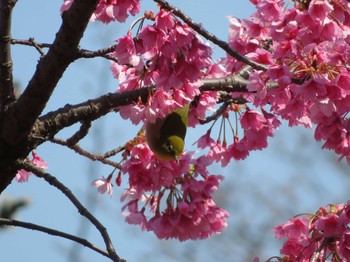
324	236
174	200
110	10
307	51
307	82
167	55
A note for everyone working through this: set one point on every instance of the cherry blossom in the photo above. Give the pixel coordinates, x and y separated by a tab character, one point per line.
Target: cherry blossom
103	185
110	10
305	48
324	234
176	196
23	175
174	58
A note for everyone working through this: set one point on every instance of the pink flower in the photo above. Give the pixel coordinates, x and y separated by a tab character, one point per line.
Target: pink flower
293	228
320	9
125	51
330	225
66	5
344	245
238	151
205	140
38	161
103	185
253	120
133	216
110	10
23	175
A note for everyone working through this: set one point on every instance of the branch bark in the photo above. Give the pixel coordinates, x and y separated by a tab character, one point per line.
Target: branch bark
6	79
50	69
72	198
53	232
18	121
49	125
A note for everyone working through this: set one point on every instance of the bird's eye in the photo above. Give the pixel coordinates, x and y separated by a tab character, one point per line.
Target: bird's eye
169	147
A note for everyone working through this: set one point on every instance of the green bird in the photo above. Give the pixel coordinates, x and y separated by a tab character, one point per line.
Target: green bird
166	137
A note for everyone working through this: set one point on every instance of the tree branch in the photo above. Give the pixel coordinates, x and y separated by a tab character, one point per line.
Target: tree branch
81	209
233	83
50	124
200	30
22	116
80	134
76	148
6	79
53	232
18	121
81	53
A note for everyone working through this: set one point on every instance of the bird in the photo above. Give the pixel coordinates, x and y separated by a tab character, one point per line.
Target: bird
166	136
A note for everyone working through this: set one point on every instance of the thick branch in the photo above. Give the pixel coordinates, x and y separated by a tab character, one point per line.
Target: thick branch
6	79
19	119
234	83
200	30
80	134
81	209
63	51
53	232
53	122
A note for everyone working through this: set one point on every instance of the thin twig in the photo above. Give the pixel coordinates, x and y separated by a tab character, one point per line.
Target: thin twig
76	148
215	115
82	53
37	47
53	232
113	152
200	30
81	209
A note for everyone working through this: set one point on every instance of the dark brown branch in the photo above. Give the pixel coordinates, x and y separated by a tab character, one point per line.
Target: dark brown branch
234	83
6	79
81	209
80	134
215	115
76	148
18	121
200	30
53	122
63	51
53	232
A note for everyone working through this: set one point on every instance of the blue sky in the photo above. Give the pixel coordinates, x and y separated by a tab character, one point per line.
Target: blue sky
292	176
